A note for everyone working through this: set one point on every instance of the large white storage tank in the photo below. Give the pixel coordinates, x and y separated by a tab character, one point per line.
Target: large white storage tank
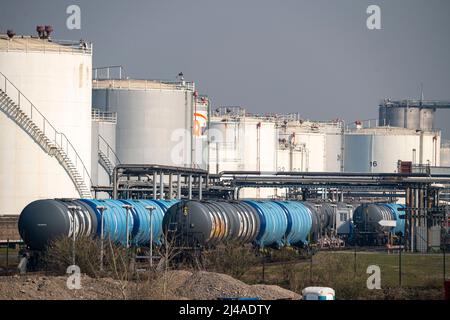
378	150
155	120
243	143
321	144
56	78
445	153
104	157
227	145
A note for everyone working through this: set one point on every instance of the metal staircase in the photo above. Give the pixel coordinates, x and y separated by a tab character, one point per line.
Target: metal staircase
106	156
18	108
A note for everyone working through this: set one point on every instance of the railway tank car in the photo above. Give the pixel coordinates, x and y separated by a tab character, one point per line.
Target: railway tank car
194	223
44	220
266	223
373	223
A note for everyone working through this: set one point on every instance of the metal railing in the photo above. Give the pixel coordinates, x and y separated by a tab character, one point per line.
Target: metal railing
105	116
139	84
58	138
415	103
30	44
107	70
105	148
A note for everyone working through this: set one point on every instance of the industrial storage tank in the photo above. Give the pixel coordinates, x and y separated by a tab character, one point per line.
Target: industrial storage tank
378	150
243	142
45	151
445	154
103	145
44	220
308	135
320	144
402	114
155	120
290	159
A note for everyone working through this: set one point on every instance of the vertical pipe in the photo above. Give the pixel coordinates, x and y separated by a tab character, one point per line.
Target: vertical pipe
170	187
154	185
7	253
179	186
101	209
400	263
200	191
115	183
190	186
416	211
217	158
161	185
150	211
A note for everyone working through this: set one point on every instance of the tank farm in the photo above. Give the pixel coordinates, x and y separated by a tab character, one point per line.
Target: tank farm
148	162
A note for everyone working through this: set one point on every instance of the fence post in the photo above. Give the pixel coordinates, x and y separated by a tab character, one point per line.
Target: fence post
7	253
263	269
400	265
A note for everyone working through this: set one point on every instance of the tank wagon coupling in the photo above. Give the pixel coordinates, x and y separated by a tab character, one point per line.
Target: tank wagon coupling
44	220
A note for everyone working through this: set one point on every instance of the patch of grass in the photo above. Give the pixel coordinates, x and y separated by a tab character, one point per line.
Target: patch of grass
422	275
13	257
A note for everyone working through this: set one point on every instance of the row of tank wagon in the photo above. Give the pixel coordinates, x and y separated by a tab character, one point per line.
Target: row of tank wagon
205	223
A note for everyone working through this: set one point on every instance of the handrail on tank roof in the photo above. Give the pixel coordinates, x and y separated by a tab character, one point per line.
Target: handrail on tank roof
414	103
35	44
133	84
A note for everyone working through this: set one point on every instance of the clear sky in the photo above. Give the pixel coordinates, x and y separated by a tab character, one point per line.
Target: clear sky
314	57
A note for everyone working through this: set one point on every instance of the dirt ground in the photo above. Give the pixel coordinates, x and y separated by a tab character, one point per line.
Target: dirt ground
171	285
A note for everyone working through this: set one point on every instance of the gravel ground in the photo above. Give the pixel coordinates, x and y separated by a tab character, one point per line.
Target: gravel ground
210	285
179	284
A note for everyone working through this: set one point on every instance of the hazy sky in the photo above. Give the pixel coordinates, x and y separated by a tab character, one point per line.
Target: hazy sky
315	57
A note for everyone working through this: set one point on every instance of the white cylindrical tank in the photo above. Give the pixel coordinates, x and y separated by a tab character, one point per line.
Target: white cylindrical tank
56	78
291	159
312	138
104	157
155	120
445	154
378	150
243	143
227	146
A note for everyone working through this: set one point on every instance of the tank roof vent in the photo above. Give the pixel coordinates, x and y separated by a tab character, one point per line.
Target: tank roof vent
44	32
10	33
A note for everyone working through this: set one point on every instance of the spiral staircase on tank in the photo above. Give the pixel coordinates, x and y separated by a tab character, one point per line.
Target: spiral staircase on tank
20	109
